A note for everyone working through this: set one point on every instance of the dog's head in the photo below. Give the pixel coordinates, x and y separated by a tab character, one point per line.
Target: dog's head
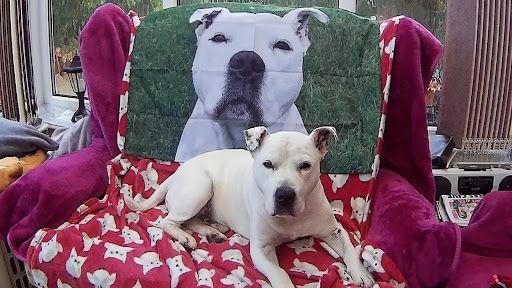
249	66
287	166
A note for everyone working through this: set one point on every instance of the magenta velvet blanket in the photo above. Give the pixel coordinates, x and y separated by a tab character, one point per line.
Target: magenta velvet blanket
48	195
404	224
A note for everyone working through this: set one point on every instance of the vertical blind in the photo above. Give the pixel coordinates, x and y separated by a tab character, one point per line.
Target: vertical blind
25	54
476	105
8	93
8	98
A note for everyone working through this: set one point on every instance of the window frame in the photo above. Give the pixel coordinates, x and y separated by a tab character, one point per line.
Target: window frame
51	47
50	105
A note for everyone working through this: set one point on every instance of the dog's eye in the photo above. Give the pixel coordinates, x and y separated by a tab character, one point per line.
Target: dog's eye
268	165
282	45
304	166
219	38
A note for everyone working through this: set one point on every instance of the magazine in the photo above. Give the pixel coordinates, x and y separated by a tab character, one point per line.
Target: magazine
457	209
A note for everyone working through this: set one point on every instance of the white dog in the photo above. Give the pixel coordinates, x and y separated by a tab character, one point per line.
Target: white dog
247	71
270	194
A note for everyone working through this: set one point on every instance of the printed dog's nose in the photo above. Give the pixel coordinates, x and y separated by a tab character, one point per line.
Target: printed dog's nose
246	64
285	197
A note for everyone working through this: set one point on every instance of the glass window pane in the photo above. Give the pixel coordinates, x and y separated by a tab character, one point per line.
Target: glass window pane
68	18
431	14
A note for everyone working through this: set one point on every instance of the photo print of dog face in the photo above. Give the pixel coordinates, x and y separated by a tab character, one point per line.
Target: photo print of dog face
247	72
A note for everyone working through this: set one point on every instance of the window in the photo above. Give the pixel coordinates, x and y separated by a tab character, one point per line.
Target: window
67	18
432	15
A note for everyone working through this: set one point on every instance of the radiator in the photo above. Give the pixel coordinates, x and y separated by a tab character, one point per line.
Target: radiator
476	104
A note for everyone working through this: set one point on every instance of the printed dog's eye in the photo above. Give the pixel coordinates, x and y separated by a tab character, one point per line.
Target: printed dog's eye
304	166
219	38
268	165
282	45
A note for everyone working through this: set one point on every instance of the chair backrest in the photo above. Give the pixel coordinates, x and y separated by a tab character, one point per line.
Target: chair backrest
338	77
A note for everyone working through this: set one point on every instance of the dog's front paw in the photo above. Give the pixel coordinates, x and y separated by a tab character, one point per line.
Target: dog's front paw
216	238
361	276
187	241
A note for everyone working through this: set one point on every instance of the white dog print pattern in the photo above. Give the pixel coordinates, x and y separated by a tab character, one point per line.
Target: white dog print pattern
306	268
150	177
116	252
137	285
101	278
89	242
201	255
107	224
204	277
337	207
40	279
132	217
177	269
338	181
359	209
302	245
155	234
148	261
74	264
237	279
238	239
38	238
233	255
342	271
373	259
50	249
61	284
131	236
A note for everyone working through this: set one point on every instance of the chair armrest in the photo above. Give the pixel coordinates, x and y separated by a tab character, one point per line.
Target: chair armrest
404	225
490	231
49	194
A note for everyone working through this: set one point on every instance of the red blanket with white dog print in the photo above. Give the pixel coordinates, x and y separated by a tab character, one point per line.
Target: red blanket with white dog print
105	244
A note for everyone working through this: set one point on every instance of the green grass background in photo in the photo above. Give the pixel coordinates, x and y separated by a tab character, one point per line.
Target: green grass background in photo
341	83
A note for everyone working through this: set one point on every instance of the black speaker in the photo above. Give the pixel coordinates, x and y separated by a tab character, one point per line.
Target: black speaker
443	186
505	184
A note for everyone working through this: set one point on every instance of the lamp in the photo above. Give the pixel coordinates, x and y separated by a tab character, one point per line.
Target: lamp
74	72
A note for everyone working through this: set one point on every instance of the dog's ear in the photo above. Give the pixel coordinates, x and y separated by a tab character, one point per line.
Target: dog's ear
300	17
205	17
254	137
321	137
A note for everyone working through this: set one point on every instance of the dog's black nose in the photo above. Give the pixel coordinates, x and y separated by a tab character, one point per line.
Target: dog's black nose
246	64
284	200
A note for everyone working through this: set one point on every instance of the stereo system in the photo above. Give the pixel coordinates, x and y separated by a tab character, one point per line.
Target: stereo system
456	181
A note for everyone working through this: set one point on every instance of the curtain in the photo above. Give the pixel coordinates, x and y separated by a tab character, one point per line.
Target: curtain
8	99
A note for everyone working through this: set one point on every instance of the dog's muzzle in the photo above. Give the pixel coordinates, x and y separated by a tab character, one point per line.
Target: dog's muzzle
284	201
246	64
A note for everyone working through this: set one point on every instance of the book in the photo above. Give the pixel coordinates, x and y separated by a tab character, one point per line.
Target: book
457	209
441	212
